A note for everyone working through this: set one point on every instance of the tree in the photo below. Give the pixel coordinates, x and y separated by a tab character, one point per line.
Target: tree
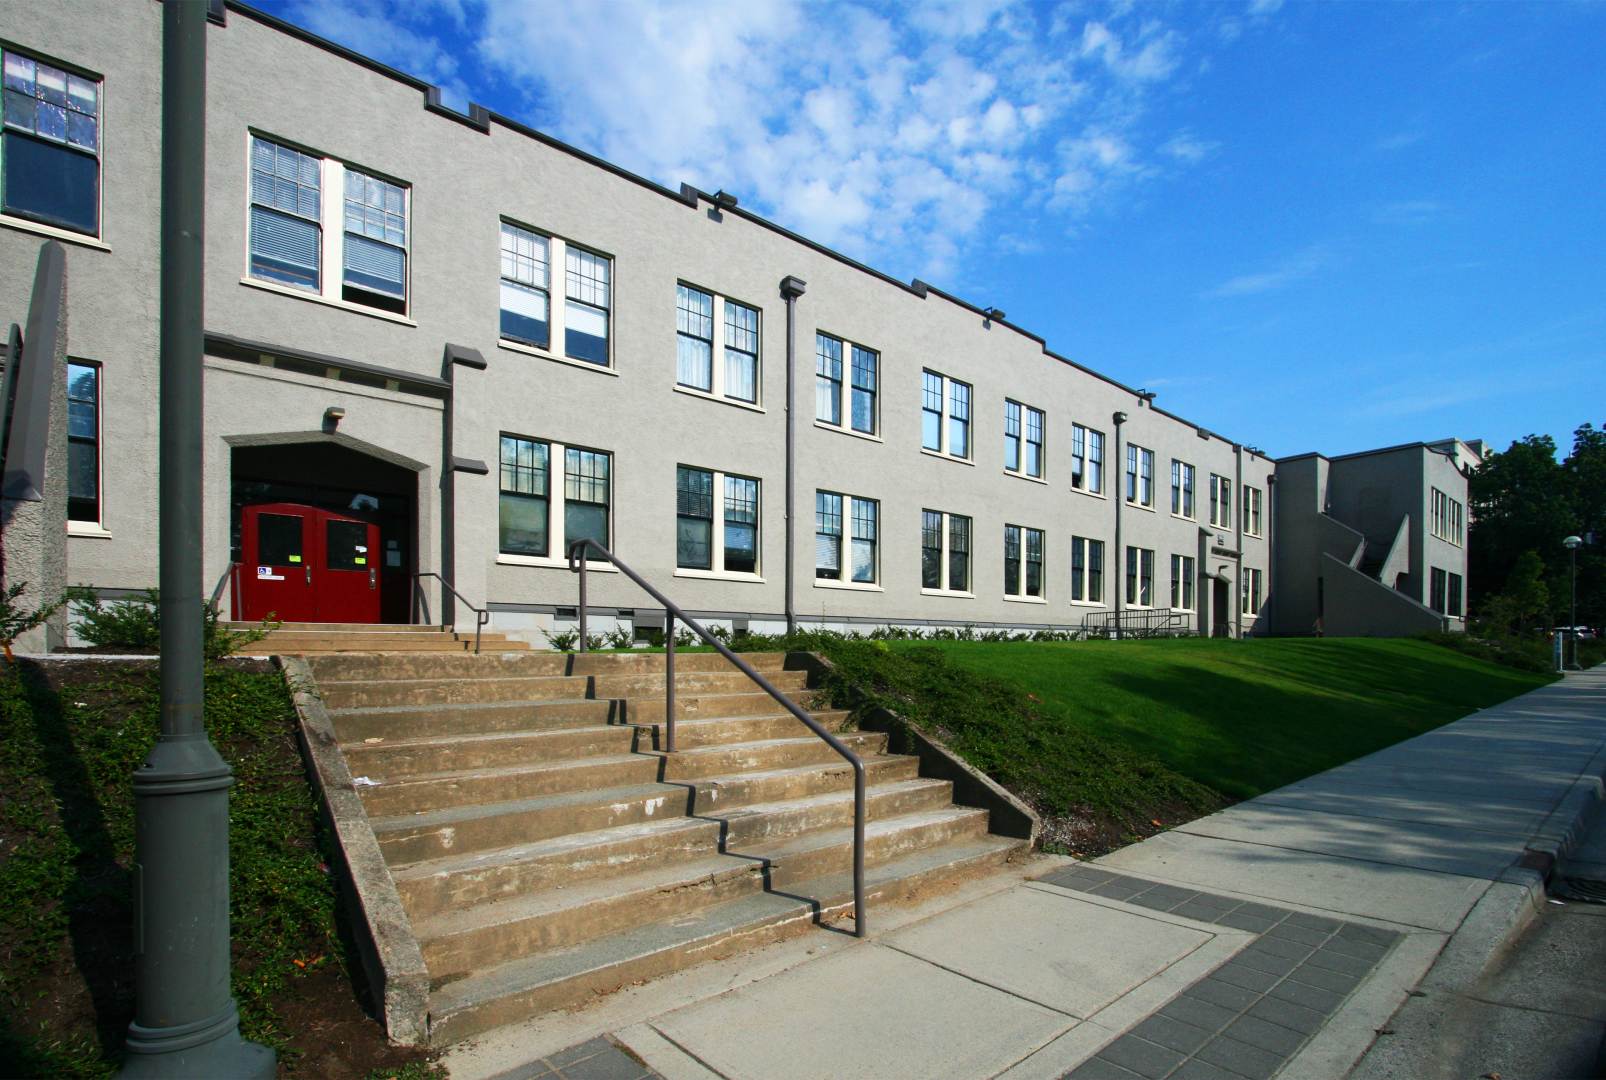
1524	602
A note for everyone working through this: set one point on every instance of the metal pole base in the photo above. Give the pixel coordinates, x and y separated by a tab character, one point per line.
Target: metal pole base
211	1049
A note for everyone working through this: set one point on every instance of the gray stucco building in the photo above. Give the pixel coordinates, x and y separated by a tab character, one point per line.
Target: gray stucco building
463	343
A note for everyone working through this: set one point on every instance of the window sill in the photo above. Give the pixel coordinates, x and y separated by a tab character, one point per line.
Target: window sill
1139	506
1025	476
87	529
947	457
692	391
553	564
718	575
1008	599
1087	603
948	592
840	430
1089	494
1253	536
328	301
531	350
850	586
1186	517
65	235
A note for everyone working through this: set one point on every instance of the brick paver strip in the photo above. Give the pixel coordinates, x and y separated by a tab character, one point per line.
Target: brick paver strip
1249	1017
595	1059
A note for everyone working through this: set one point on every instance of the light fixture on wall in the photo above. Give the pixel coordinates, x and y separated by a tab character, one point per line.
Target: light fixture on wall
994	314
724	200
332	417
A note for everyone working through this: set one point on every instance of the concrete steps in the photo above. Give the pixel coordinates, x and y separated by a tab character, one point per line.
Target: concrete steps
545	847
319	638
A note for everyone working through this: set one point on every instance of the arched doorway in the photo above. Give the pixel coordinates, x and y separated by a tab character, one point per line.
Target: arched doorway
333	482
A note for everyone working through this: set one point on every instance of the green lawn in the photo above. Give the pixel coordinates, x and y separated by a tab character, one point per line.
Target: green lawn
1244	717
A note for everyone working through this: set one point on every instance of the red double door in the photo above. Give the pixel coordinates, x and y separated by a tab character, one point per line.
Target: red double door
303	564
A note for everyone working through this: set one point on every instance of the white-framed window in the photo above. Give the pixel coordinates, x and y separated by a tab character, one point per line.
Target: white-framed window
855	397
1220	501
944	552
1139	577
1447	518
1087	570
1437	588
1139	475
1087	459
944	415
1251	579
50	144
1181	488
296	233
529	318
1454	605
532	510
698	315
851	557
716	521
83	441
1023	439
1251	505
1182	582
1023	562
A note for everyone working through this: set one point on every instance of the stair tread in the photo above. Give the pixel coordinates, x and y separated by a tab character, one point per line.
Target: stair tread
800	740
579	841
520	769
714	922
674	876
459	738
454	814
461	706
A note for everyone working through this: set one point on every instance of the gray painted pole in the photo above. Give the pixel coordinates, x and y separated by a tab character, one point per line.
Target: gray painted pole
791	289
1118	419
185	1022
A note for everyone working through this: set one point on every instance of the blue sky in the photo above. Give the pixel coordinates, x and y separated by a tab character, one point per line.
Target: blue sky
1307	226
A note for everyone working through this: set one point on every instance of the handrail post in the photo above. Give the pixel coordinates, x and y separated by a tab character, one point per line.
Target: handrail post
580	550
480	619
669	681
859	927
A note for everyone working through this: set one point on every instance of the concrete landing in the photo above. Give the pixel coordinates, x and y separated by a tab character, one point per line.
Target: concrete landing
1275	938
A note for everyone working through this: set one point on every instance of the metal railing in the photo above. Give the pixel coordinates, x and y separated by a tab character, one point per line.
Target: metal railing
1139	623
226	581
672	611
481	615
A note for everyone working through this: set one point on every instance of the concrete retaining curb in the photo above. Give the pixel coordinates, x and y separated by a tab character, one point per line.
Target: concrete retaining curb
390	955
1008	815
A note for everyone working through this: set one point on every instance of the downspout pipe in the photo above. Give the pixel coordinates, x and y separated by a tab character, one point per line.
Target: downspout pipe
1271	553
1120	552
1238	534
791	288
185	1021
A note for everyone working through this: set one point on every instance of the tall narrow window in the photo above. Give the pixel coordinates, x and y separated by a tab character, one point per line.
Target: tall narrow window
1251	579
1251	503
1454	606
286	210
865	364
694	519
694	329
586	496
375	242
526	285
1436	590
523	510
587	294
958	419
1012	436
827	379
931	411
741	351
1087	570
50	147
83	442
1095	462
1181	488
1034	442
1220	501
930	549
1012	560
864	540
741	525
827	535
1139	577
958	553
1182	583
1139	475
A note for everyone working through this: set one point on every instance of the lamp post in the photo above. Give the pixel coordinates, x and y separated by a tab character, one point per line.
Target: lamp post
1571	544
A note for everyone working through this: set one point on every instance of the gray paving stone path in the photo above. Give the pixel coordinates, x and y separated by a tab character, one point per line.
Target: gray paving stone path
1247	1018
595	1059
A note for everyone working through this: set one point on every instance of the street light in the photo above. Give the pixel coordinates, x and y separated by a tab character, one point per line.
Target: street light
1571	544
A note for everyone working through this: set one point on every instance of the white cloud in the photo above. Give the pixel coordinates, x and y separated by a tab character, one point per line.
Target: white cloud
1286	272
1264	7
1188	148
1408	212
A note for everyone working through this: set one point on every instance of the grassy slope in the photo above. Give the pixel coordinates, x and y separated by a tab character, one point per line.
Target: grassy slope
1244	717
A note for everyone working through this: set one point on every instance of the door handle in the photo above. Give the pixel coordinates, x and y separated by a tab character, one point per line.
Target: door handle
371	585
308	569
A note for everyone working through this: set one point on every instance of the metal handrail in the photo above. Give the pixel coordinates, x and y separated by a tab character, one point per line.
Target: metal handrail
217	590
481	615
1142	622
672	611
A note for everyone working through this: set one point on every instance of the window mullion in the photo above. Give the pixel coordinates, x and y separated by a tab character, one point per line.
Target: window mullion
716	560
944	582
557	294
332	176
716	350
557	485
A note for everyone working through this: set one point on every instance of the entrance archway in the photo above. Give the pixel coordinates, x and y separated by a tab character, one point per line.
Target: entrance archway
331	476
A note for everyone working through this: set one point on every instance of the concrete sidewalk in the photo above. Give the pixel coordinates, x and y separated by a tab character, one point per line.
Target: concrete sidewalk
1275	937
